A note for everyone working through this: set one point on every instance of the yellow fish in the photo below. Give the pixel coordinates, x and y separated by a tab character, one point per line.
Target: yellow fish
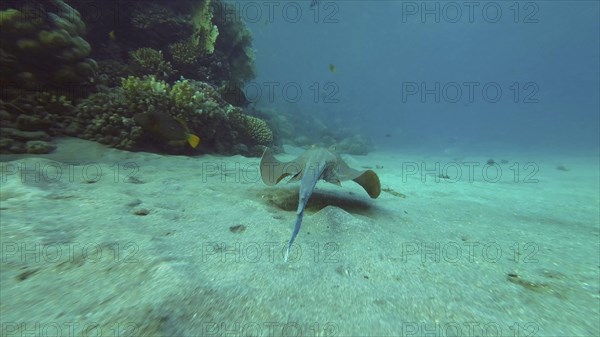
112	36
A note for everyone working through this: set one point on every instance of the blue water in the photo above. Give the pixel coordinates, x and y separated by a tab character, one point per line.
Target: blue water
518	75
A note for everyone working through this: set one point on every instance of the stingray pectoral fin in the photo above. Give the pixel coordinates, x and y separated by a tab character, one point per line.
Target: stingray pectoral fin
367	179
271	169
370	182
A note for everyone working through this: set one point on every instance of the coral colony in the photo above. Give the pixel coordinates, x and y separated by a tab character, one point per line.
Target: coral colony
65	72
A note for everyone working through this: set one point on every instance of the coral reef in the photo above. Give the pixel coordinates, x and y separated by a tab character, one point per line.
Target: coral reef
234	43
189	95
107	117
252	129
46	38
110	72
205	34
29	121
185	53
44	64
155	24
53	87
197	37
152	16
148	61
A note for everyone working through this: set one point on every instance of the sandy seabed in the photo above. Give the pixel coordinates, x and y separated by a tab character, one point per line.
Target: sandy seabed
97	241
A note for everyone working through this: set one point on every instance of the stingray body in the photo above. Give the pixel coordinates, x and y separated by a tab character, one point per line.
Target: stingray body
313	165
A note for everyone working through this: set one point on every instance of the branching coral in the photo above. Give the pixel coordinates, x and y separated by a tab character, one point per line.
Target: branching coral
185	52
107	116
138	87
146	94
186	95
148	61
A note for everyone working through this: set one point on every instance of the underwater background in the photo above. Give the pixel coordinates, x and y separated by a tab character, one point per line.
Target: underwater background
131	198
430	74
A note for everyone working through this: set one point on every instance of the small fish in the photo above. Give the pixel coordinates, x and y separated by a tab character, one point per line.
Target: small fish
314	3
166	127
332	67
112	36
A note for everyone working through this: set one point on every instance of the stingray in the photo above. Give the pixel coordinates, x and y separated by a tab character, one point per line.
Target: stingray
313	165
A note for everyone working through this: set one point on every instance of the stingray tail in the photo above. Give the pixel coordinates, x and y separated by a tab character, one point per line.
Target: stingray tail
294	234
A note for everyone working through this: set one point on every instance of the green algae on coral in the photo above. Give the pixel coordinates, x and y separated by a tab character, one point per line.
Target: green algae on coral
206	32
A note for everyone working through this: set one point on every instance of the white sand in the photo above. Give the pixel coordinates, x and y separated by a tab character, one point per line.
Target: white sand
76	258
